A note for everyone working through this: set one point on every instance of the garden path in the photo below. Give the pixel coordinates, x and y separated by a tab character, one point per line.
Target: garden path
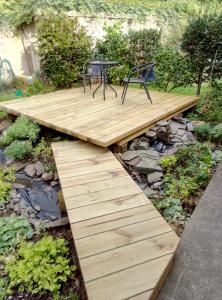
125	247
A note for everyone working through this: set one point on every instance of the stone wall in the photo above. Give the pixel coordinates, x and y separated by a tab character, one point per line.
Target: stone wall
11	46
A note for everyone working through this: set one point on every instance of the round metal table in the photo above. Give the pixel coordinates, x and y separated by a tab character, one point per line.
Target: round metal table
104	65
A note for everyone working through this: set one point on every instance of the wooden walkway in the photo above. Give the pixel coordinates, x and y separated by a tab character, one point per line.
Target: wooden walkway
100	122
125	247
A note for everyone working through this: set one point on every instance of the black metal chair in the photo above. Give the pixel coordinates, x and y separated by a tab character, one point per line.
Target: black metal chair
146	74
90	71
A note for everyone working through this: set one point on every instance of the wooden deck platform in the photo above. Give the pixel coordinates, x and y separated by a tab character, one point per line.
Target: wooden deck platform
100	122
125	247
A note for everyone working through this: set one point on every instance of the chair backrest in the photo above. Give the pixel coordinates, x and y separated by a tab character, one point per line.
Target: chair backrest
148	72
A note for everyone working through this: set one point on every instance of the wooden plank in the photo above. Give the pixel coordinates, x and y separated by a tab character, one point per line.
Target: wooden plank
122	236
118	232
109	262
128	282
97	121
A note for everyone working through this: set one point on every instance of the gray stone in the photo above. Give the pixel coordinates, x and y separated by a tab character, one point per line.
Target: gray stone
157	185
190	126
57	223
151	134
37	208
18	186
47	176
162	124
39	168
30	170
139	145
54	183
150	193
56	176
16	200
154	177
142	161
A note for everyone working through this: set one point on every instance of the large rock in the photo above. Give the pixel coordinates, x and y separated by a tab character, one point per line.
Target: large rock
142	161
47	176
39	168
30	170
154	177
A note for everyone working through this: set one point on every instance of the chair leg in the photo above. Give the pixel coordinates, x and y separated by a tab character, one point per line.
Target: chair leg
147	93
124	95
124	86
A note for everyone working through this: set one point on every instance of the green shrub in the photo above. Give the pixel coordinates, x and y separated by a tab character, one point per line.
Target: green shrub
168	162
20	130
3	114
143	46
43	152
172	69
38	87
40	268
7	176
18	150
171	209
201	40
12	231
64	47
216	133
203	132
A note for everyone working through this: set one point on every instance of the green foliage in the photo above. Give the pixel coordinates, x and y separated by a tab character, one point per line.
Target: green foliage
18	150
63	47
7	176
143	46
203	132
216	133
12	231
172	69
129	50
171	209
168	163
3	114
20	130
40	268
201	41
210	105
190	174
43	152
38	87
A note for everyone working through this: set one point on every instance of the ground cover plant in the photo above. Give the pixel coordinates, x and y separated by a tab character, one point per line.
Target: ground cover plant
12	231
186	175
40	268
22	129
7	176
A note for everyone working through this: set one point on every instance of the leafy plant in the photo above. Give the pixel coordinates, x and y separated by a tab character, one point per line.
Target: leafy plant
216	133
3	115
64	47
38	87
171	209
43	152
20	130
203	132
12	231
7	176
18	150
40	268
202	43
172	69
168	162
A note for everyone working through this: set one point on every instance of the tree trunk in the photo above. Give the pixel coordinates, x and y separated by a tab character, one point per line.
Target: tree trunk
200	81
